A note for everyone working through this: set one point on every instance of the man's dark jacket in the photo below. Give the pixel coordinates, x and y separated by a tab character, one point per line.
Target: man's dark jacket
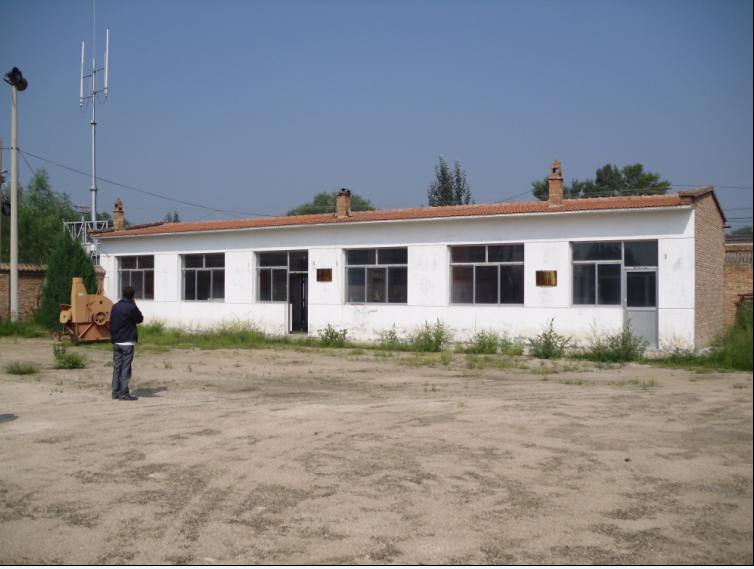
124	317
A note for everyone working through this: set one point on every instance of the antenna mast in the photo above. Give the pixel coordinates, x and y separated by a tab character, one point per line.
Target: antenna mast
93	91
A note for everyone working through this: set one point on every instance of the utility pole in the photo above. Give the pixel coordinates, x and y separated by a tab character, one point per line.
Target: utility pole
17	82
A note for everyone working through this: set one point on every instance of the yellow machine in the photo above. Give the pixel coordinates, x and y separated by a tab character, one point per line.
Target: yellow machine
87	318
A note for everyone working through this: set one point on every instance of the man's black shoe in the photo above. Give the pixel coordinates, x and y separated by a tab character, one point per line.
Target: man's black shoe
128	398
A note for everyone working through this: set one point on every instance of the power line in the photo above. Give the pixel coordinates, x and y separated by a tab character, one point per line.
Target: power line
212	210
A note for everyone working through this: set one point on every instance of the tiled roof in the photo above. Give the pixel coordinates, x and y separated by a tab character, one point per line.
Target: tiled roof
543	207
34	268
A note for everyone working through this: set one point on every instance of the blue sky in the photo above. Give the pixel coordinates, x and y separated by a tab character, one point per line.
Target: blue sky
253	107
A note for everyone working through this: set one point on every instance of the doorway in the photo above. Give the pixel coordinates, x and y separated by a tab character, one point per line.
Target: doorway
641	304
298	302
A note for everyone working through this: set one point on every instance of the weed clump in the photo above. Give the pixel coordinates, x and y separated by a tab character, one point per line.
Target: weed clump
624	346
23	328
484	342
389	340
21	368
67	360
431	338
511	347
549	344
330	337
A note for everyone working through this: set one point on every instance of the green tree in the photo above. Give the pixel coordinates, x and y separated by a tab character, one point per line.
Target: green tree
745	230
41	213
609	181
449	188
172	217
68	260
324	202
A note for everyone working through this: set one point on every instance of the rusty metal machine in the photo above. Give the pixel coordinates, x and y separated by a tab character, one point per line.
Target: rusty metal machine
87	318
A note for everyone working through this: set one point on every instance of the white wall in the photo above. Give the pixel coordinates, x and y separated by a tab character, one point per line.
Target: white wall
546	238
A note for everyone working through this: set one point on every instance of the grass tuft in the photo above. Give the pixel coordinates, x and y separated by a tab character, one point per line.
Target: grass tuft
68	360
549	344
624	346
21	368
431	338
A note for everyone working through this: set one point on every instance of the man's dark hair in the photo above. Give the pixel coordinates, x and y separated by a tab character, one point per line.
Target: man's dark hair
129	292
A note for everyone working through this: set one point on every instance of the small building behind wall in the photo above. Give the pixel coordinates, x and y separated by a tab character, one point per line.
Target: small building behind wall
512	267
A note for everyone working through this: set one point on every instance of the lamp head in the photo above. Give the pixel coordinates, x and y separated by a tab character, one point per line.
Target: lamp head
15	77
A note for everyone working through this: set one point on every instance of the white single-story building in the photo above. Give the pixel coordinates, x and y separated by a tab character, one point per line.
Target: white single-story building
510	267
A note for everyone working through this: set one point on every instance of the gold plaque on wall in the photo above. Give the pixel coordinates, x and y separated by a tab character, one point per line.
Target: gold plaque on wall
324	275
547	278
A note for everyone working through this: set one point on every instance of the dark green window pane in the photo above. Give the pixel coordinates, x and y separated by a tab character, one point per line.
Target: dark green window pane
640	253
361	257
273	259
392	256
128	262
218	285
641	289
584	284
265	284
137	282
475	254
485	285
189	285
601	251
376	284
512	284
193	261
149	285
145	262
356	285
397	284
203	285
608	284
462	285
505	254
279	285
214	260
298	261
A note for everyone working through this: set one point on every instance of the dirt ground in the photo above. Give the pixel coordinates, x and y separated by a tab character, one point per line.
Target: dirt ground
306	456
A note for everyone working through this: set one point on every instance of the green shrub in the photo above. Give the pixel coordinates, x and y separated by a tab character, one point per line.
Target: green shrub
549	344
389	339
431	338
484	342
624	346
23	328
67	360
511	347
329	337
19	368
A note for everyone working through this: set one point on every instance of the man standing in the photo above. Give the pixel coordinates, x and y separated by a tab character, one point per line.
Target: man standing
124	317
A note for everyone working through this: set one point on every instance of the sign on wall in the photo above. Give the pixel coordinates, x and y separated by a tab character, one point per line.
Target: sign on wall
547	278
324	275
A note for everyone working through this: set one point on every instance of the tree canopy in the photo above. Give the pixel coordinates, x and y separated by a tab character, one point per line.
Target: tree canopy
67	260
41	213
449	188
324	202
609	181
745	230
172	217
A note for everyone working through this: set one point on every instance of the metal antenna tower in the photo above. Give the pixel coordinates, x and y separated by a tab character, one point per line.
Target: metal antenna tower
93	92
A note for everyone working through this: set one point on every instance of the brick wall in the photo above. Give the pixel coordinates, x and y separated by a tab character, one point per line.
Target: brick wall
30	285
709	250
737	276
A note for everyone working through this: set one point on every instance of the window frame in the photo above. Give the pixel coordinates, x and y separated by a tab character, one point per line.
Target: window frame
613	262
473	265
141	293
271	270
388	268
212	270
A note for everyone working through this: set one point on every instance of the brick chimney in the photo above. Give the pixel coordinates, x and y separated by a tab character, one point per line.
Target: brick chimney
119	218
343	204
556	184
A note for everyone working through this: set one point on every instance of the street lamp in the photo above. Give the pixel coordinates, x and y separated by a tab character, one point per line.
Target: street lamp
16	80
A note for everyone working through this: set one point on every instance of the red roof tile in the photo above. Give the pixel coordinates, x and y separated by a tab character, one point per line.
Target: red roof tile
588	204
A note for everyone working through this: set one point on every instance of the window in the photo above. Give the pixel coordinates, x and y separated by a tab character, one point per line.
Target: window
138	272
597	268
204	276
377	275
273	268
487	274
